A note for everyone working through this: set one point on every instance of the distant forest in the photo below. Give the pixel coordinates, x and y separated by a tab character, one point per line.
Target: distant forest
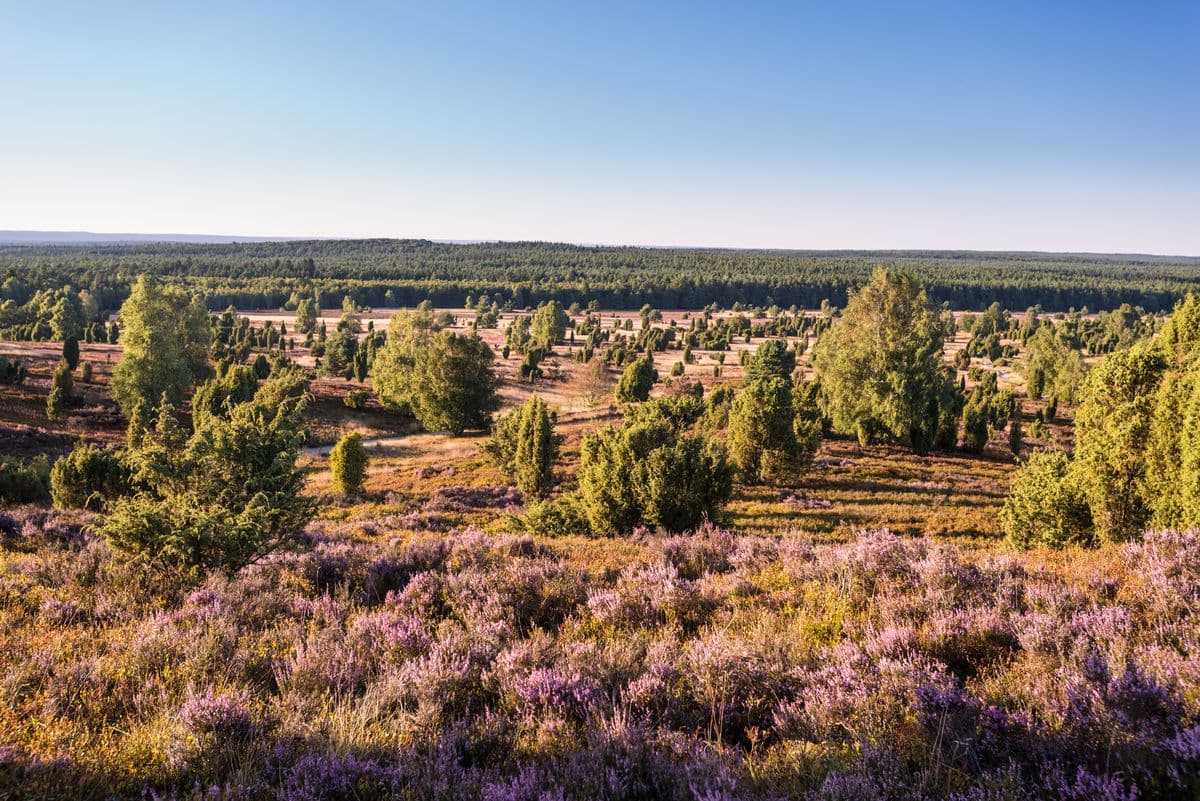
390	272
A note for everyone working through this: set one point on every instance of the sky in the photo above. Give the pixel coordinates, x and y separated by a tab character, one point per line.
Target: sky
971	124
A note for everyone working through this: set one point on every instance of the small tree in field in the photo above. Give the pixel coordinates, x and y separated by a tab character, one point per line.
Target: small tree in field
594	380
61	388
1045	506
71	352
637	381
348	464
88	478
652	472
767	438
225	496
881	370
524	446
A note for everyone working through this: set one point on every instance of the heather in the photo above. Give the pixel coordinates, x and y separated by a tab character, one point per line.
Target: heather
374	661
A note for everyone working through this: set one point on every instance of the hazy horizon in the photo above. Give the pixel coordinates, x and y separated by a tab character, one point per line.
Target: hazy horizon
50	237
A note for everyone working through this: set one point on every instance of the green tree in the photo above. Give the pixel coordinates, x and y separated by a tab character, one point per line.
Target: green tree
524	446
537	449
549	325
236	385
975	426
445	380
1044	505
348	464
89	477
772	359
225	496
156	360
1173	450
65	322
763	426
62	387
650	473
1112	426
70	353
637	380
1016	439
342	347
306	316
881	370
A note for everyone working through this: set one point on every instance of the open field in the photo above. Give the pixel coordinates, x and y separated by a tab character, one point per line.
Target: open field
948	494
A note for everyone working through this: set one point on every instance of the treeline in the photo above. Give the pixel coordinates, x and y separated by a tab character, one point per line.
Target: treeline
383	272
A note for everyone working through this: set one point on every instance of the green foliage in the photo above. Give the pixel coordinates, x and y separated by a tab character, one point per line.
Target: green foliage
306	316
1016	439
636	381
89	477
236	385
537	448
648	473
561	517
769	436
70	352
348	464
548	326
164	346
1112	427
445	380
881	369
523	445
24	481
62	387
85	372
342	348
65	322
975	426
356	399
380	272
1051	366
772	359
222	498
1045	507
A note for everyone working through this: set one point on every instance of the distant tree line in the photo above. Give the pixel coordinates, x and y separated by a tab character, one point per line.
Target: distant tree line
379	273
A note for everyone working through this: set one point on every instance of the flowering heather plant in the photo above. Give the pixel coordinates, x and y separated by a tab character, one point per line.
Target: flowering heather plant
376	664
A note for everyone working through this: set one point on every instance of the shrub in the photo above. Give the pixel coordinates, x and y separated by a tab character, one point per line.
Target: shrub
85	373
11	372
444	379
1044	505
88	478
348	464
562	517
223	498
61	388
24	481
524	446
650	473
636	381
70	352
356	399
764	425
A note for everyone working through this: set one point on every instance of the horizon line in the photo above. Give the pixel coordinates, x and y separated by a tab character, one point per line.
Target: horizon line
9	237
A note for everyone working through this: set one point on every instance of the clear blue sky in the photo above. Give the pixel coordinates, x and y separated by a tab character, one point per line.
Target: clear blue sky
1007	125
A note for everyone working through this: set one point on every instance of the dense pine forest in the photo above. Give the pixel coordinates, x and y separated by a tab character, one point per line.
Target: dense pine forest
390	272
